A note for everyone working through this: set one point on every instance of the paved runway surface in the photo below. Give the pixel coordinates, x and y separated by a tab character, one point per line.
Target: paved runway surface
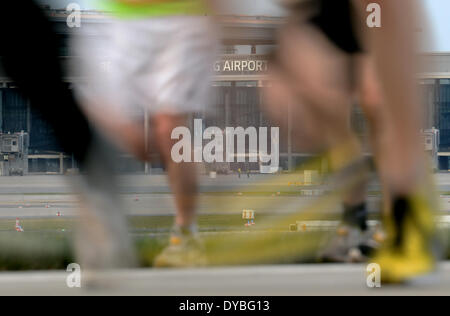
242	281
131	184
45	195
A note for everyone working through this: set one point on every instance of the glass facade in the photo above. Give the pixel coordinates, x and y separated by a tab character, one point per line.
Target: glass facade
443	107
234	103
437	109
14	111
17	116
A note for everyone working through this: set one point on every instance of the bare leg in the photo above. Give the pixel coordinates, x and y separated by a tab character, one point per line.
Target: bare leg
371	100
182	176
127	134
393	49
185	249
130	137
407	252
313	78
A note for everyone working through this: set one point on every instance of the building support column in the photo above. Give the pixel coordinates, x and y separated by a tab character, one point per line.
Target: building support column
1	111
228	93
261	100
61	163
28	118
290	161
227	108
147	165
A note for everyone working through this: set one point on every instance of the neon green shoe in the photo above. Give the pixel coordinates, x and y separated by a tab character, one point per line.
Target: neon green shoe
408	252
185	250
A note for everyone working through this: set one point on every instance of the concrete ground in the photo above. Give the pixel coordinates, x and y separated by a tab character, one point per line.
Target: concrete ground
241	281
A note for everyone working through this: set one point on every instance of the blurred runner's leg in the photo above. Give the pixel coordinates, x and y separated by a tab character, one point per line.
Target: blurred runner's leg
408	251
316	77
40	77
167	79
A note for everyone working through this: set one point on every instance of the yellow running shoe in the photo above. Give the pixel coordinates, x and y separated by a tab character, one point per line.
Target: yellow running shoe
185	250
408	252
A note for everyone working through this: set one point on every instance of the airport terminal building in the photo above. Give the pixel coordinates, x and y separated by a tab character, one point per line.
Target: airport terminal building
240	73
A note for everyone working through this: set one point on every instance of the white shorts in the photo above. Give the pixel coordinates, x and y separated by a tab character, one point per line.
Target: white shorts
151	66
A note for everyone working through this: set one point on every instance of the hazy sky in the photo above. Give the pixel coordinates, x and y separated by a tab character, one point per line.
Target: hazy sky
438	11
439	14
